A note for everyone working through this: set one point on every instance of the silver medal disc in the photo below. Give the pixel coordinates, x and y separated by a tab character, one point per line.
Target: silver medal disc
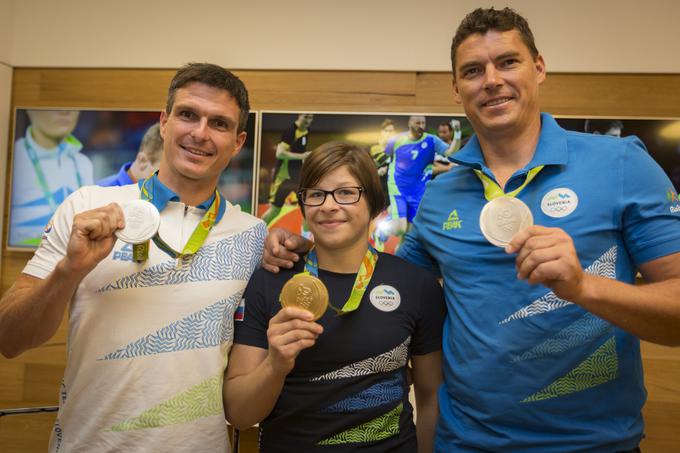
142	220
502	218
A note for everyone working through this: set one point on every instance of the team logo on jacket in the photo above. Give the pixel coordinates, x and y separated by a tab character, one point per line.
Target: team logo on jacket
453	221
385	298
559	202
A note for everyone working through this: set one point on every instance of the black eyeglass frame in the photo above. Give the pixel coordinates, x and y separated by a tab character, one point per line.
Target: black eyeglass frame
300	196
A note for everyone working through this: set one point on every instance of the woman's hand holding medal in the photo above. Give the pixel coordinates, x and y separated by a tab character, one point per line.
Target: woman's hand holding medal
290	331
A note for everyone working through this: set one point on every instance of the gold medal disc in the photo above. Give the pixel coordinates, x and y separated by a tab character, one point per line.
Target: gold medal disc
307	292
502	218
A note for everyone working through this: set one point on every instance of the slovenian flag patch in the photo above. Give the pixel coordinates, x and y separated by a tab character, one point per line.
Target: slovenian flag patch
240	312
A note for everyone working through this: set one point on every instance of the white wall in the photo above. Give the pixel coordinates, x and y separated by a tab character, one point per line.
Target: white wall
574	35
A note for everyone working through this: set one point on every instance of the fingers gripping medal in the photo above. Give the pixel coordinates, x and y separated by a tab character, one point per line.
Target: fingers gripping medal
307	292
503	217
142	220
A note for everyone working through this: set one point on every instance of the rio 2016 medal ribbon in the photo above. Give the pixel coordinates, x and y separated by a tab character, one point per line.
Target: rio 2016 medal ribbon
503	217
307	292
142	220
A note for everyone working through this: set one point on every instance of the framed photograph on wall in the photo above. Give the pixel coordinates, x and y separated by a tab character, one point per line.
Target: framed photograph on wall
56	151
661	136
303	131
285	137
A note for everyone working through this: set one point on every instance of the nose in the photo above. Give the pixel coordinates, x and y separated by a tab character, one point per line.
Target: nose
200	130
492	78
329	203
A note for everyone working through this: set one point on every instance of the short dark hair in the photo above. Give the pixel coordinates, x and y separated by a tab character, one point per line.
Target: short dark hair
333	155
213	76
482	20
445	124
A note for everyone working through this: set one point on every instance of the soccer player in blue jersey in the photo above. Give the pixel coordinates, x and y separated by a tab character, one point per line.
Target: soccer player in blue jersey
541	341
412	155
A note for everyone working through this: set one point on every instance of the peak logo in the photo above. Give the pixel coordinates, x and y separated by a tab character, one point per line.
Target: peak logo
453	222
124	254
559	202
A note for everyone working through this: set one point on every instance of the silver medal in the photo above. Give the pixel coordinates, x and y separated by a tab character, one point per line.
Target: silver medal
502	218
142	220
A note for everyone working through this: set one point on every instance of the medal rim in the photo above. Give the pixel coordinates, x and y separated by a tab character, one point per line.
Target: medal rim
526	221
153	223
319	306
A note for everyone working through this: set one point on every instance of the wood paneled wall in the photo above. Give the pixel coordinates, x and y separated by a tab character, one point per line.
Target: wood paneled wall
33	378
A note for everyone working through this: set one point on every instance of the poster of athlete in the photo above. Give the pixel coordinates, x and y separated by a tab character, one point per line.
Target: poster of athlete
660	136
408	150
56	151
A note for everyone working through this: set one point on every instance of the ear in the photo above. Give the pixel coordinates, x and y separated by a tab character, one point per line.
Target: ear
162	123
456	94
541	74
240	141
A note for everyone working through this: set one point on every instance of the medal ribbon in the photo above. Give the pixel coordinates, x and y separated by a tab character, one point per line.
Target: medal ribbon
360	283
44	186
492	190
199	235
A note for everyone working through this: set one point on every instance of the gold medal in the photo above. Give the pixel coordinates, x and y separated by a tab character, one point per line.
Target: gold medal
307	292
502	218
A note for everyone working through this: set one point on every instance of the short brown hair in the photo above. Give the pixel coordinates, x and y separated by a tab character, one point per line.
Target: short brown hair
482	20
333	155
213	76
152	143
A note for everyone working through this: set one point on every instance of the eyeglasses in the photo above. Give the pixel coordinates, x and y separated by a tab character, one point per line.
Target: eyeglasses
341	195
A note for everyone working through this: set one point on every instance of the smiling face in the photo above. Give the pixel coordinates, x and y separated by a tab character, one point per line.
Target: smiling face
497	80
339	226
200	136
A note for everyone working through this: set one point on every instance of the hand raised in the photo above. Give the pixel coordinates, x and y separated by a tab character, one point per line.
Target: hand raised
92	237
